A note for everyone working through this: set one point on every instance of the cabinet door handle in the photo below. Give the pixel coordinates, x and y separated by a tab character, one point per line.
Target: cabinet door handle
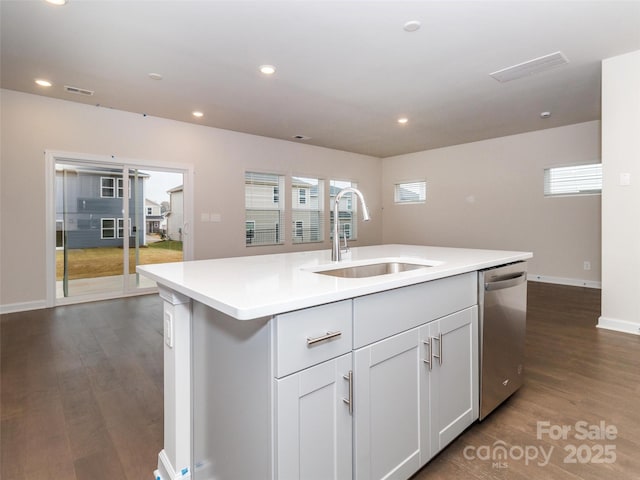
349	401
439	355
428	359
322	338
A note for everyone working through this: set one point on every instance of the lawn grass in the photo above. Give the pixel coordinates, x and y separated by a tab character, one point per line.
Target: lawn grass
104	262
167	244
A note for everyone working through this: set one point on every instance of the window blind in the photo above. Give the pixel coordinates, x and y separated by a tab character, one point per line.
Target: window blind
264	208
411	192
573	180
307	200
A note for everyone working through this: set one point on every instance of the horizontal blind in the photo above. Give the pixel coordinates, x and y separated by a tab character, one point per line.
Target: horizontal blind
347	210
307	200
573	180
264	207
411	192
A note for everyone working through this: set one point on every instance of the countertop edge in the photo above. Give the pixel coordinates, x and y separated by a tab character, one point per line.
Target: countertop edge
278	307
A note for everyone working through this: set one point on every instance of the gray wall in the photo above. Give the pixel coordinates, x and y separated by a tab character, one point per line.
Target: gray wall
489	194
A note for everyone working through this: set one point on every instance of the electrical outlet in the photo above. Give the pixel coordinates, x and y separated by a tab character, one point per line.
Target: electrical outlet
587	265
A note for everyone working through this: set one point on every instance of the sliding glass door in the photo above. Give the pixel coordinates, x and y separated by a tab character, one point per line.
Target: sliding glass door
109	218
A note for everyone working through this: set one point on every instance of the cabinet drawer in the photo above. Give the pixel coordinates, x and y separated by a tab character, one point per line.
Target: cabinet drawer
383	314
306	337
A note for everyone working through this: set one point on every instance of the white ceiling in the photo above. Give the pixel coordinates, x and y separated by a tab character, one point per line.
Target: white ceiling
346	70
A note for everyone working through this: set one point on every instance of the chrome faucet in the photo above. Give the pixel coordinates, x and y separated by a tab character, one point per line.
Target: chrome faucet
336	252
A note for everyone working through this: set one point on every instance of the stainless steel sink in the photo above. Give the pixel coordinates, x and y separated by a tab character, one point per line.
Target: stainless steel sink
375	269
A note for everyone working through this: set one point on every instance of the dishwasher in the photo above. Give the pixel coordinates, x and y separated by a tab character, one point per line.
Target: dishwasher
502	301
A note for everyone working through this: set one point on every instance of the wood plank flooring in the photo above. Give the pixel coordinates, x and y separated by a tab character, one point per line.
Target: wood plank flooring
81	395
82	391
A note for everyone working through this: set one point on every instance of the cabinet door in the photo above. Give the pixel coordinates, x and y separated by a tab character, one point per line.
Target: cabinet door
387	408
453	377
313	423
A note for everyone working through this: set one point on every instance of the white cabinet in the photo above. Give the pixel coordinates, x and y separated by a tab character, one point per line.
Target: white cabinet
387	408
337	391
449	377
313	423
416	390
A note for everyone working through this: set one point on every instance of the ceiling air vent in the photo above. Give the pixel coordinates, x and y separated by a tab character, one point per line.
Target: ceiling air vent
531	67
78	91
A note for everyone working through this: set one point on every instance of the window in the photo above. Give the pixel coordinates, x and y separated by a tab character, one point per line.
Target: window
264	208
307	198
573	180
121	227
108	228
110	186
107	187
411	192
347	209
149	210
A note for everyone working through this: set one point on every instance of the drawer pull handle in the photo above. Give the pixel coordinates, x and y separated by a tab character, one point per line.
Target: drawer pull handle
328	336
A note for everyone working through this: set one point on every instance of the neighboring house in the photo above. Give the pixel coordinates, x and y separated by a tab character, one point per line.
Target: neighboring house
307	212
89	208
347	226
175	217
153	216
263	203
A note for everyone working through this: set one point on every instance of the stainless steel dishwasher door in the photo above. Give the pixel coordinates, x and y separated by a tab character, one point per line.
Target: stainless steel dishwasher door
502	298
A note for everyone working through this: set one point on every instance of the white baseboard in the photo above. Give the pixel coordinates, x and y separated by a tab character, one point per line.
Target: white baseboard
23	306
574	282
167	472
618	325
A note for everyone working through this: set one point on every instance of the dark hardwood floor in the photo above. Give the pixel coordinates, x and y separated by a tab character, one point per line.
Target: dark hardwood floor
81	396
82	391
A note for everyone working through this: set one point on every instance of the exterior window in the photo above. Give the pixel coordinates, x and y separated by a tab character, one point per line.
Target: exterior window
411	192
59	234
264	208
112	186
121	227
250	227
149	211
307	198
108	228
573	180
347	210
107	187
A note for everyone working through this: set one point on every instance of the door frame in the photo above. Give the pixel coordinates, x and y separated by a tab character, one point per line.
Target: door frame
54	156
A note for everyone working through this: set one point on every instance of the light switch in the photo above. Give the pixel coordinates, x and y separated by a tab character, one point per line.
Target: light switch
625	179
204	217
216	217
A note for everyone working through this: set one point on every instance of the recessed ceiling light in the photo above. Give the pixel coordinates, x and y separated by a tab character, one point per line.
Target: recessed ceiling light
268	69
43	83
403	120
545	114
155	76
57	2
198	114
411	26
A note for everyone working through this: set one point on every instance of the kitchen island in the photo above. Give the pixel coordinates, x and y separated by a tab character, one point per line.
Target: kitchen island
275	369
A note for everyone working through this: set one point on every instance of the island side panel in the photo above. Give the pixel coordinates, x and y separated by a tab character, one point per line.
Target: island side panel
174	461
232	396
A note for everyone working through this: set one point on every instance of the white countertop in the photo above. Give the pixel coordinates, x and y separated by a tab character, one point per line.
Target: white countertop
264	285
